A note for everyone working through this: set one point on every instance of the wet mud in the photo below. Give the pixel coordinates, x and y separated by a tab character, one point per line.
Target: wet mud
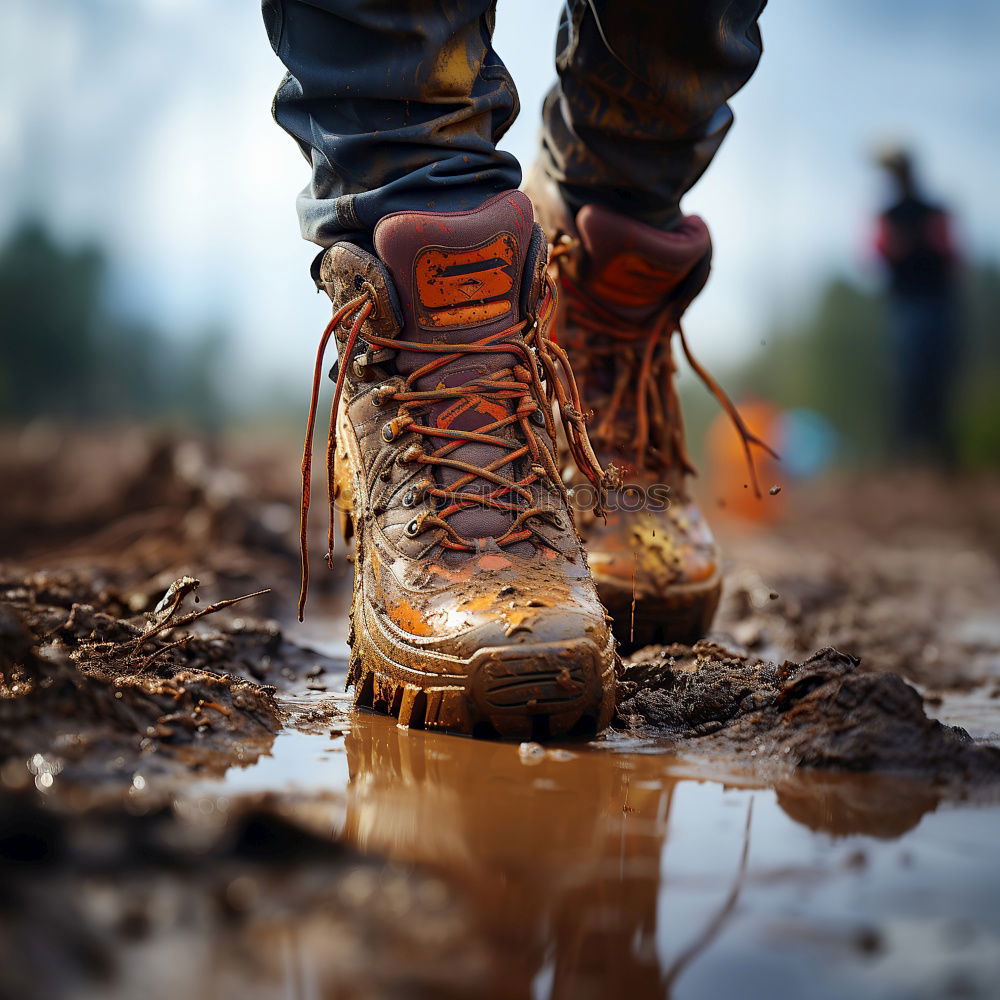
822	713
84	680
88	689
150	903
138	510
902	571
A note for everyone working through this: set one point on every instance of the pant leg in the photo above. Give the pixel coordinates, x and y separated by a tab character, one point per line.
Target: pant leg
396	106
640	107
925	368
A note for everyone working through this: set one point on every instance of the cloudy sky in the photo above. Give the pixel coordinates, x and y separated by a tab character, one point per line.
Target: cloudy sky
146	123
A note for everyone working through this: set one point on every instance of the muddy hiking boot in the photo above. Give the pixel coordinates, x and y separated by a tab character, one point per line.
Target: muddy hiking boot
624	286
474	609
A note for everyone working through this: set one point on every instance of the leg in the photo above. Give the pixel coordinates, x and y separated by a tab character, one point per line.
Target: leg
640	107
932	405
396	107
639	111
472	609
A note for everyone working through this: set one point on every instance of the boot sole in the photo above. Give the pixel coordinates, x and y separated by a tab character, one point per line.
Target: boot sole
529	692
525	692
681	614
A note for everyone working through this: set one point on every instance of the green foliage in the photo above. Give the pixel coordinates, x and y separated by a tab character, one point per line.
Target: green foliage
978	403
836	361
66	354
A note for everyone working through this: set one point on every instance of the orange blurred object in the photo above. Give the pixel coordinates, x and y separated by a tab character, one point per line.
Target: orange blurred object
730	487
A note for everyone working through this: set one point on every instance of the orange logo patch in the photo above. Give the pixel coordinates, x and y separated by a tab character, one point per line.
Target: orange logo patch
465	286
631	280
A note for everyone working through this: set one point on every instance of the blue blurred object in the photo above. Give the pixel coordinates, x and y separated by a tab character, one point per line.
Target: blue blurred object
809	442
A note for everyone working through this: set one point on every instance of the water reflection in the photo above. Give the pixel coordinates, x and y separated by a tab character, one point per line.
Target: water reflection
567	852
846	804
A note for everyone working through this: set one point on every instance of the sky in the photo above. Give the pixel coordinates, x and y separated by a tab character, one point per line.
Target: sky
146	124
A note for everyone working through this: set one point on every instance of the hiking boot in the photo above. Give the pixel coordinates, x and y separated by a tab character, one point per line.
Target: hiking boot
624	286
473	609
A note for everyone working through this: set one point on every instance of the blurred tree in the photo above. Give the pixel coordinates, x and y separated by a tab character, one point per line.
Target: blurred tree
66	354
195	375
978	409
833	361
50	304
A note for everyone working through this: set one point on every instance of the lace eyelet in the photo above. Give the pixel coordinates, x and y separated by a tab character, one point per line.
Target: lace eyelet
409	498
413	528
395	428
383	392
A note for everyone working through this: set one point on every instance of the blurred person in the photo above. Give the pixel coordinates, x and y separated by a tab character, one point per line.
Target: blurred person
915	240
474	608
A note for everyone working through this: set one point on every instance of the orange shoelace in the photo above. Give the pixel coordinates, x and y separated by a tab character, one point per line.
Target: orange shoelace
644	378
522	391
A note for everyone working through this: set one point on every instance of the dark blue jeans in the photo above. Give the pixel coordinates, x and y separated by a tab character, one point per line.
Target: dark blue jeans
924	336
399	104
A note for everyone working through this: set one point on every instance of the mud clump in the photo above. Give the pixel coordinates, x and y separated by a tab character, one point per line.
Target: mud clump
88	689
822	713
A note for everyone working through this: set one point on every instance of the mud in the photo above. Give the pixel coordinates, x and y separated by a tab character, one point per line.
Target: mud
81	692
822	713
141	509
83	681
902	571
94	693
149	903
126	519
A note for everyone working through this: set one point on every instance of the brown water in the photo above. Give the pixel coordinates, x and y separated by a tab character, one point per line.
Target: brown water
619	869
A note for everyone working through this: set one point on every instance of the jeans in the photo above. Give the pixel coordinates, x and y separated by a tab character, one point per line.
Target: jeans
399	104
924	336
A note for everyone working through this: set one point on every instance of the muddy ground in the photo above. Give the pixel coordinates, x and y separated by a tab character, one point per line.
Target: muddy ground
146	589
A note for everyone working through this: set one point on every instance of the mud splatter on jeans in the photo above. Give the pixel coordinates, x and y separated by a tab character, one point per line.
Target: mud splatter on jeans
399	107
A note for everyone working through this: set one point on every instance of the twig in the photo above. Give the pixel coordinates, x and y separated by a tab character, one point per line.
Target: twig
194	616
163	649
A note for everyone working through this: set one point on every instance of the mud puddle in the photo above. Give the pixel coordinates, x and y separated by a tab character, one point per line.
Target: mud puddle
619	868
352	858
205	835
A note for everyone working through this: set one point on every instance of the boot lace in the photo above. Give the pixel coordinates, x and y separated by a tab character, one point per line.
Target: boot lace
525	391
641	358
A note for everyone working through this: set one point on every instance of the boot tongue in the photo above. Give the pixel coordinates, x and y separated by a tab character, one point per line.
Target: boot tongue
632	267
458	275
